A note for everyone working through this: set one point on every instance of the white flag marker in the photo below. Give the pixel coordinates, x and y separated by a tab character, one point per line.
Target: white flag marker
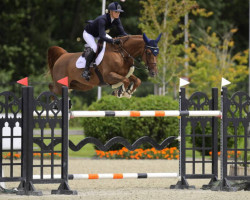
224	82
183	82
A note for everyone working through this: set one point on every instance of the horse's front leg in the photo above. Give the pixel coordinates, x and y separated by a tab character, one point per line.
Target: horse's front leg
134	83
113	78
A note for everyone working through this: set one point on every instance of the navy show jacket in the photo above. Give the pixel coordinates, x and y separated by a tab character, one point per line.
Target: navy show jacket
98	26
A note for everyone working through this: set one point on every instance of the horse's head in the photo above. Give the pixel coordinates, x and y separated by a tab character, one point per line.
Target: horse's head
150	53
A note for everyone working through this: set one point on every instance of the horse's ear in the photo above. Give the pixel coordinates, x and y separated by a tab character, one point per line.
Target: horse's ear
158	38
145	38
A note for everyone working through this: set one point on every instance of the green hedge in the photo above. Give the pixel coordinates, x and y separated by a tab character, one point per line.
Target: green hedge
159	128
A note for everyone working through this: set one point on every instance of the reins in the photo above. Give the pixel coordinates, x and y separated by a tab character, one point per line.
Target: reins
121	50
141	66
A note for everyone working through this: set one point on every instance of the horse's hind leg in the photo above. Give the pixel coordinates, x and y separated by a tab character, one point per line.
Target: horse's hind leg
55	88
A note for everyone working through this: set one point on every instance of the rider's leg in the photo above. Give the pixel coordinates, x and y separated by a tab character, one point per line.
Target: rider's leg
90	40
89	59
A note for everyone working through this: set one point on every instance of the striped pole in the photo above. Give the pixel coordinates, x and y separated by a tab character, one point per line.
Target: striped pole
164	113
149	113
112	176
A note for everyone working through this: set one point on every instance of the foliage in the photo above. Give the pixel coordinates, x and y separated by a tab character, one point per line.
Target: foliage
105	128
132	129
164	16
167	153
158	128
225	16
28	28
210	59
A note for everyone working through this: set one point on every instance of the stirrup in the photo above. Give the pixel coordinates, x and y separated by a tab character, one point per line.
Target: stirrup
86	75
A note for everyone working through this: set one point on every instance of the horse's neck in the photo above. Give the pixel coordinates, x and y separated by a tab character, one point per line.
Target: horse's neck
134	46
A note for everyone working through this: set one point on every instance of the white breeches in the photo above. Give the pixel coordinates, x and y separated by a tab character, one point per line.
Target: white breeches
90	40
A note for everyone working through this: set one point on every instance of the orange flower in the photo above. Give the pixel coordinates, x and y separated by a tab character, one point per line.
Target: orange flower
17	155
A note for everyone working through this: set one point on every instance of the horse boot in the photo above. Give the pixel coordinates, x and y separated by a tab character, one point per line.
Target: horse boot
89	59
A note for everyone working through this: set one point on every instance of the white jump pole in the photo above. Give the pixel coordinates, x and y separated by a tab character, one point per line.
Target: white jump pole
111	176
149	113
164	113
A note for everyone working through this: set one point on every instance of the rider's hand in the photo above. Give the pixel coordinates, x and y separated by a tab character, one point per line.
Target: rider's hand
116	41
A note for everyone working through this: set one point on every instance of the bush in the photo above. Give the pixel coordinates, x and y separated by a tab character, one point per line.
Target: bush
159	128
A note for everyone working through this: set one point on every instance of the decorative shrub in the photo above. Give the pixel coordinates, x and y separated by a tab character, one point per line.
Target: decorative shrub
159	128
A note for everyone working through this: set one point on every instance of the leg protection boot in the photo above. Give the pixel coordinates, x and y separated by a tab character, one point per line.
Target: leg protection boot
89	59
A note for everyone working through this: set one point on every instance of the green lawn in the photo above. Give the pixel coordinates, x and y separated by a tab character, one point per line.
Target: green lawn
189	153
87	151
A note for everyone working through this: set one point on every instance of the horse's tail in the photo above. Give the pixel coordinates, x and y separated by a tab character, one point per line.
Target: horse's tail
54	53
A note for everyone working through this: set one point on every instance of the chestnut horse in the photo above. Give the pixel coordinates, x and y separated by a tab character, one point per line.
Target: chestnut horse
114	67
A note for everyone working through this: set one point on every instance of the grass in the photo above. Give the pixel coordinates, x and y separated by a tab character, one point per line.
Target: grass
189	153
87	151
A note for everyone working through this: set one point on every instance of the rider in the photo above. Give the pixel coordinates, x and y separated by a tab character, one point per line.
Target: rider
97	29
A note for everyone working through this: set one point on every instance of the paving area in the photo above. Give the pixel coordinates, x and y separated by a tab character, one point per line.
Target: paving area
155	188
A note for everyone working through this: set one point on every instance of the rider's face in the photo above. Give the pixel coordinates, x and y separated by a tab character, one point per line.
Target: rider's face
114	14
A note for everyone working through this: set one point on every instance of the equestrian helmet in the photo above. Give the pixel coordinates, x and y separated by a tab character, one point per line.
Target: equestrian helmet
114	6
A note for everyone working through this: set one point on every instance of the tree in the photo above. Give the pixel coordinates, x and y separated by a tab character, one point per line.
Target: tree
29	28
226	15
211	58
164	16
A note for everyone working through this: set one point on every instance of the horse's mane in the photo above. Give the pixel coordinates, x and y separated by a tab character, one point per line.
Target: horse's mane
127	37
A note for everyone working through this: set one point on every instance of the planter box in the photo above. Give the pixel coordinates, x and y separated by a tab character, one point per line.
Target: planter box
240	171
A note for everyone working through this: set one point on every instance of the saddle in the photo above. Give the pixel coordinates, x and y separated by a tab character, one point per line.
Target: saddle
86	52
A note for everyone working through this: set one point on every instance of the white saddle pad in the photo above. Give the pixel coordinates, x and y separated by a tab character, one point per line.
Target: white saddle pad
81	61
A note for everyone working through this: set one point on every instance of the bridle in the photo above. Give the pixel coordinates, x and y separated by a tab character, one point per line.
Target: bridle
152	49
121	50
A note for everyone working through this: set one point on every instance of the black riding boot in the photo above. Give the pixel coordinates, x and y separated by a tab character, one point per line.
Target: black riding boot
89	59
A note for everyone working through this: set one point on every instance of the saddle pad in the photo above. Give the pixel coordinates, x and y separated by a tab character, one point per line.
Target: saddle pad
81	61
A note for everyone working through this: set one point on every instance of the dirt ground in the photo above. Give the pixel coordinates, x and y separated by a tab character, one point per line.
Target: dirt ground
155	188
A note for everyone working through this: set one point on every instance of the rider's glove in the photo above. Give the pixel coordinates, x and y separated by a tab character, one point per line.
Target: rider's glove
116	41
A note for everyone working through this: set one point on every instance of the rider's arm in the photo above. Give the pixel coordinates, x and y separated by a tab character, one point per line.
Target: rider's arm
120	27
102	33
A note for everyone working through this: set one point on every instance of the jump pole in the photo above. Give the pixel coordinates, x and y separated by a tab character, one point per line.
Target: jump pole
111	176
149	113
164	113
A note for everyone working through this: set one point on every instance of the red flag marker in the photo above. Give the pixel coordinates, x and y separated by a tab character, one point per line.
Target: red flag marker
64	81
23	81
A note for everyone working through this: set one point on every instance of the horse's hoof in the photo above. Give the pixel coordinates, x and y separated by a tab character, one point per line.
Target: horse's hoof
127	95
115	93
